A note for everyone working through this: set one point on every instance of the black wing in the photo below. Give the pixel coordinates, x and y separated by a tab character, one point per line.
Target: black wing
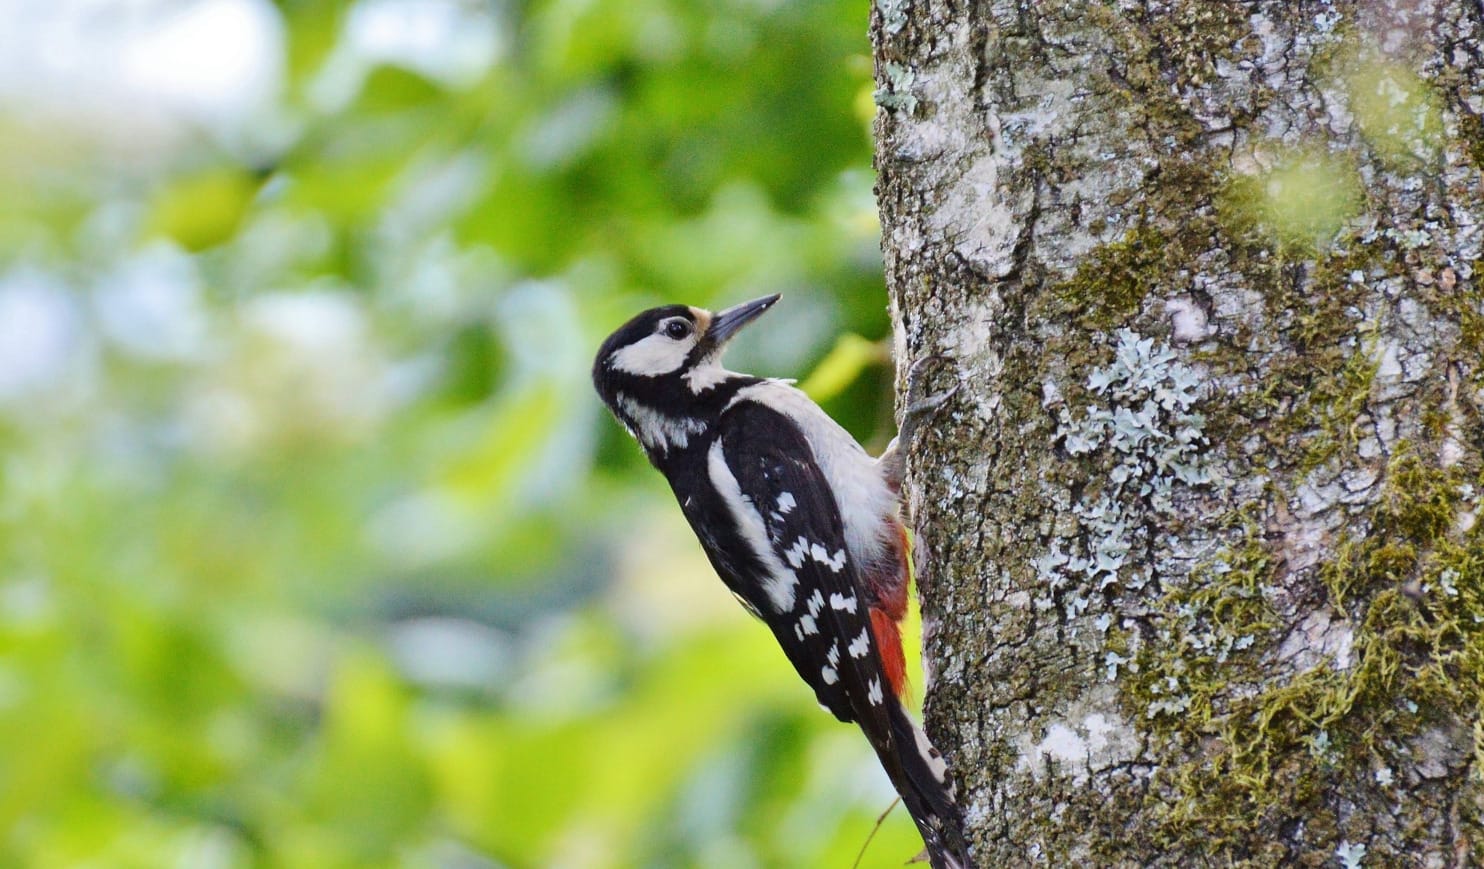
825	627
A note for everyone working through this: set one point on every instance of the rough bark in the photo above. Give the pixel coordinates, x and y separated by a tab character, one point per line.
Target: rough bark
1200	568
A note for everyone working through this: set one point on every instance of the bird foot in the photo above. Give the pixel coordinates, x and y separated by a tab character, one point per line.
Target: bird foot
893	460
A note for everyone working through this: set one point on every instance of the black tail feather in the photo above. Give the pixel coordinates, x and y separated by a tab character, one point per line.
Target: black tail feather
921	777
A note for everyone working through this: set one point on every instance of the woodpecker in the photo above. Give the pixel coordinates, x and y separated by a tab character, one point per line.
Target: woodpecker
797	519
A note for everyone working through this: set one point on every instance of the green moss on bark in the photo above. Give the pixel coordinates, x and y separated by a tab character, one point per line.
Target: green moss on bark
1268	752
1110	285
1315	389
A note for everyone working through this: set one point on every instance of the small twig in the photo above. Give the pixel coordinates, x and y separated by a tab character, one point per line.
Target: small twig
874	830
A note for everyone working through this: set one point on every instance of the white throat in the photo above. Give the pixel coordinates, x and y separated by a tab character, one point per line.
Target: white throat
707	375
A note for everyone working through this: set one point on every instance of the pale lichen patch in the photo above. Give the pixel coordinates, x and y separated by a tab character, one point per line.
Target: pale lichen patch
1091	738
1143	426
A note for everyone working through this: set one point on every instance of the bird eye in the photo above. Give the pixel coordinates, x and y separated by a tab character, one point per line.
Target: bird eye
677	329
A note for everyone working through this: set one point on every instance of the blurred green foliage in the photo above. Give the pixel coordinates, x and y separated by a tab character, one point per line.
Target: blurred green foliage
1304	198
315	547
1398	112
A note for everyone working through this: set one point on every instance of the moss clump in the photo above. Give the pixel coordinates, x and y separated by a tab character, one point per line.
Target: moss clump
1113	280
1269	751
1151	260
1197	37
1204	629
1167	53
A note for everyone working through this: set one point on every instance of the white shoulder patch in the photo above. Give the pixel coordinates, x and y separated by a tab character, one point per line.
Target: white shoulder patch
866	501
935	762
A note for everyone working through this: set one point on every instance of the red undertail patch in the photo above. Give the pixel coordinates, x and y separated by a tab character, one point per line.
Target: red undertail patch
889	641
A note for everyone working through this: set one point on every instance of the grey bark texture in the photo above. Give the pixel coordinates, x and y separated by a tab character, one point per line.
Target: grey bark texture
1196	534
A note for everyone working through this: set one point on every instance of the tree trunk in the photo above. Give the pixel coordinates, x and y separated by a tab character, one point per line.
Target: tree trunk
1200	567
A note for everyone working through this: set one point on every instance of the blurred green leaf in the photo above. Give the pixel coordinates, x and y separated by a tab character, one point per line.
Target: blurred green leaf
369	784
1397	110
390	88
203	210
851	355
507	440
312	29
1304	199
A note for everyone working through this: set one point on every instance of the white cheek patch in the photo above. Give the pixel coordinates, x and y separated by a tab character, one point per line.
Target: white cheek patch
651	357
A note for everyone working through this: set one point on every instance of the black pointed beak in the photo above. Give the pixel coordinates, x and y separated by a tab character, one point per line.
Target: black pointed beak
726	323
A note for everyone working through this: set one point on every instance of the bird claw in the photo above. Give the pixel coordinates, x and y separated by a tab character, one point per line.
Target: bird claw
893	460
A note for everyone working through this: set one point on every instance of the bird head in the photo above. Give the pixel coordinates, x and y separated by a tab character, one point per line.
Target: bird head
661	366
